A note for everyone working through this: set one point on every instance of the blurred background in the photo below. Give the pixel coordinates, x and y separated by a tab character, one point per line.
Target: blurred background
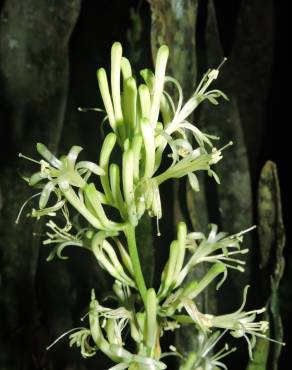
49	52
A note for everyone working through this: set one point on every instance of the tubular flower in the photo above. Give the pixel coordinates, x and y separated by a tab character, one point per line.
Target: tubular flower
62	175
218	247
239	323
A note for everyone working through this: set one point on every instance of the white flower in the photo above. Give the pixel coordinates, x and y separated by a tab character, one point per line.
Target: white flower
239	323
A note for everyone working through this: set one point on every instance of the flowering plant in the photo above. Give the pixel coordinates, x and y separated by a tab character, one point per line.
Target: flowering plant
145	125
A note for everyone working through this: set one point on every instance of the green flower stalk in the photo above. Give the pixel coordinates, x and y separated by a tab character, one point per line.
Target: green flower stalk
145	128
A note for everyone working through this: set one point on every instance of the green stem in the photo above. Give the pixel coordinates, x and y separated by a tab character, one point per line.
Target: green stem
132	245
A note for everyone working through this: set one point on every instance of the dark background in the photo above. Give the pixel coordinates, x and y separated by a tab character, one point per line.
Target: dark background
49	52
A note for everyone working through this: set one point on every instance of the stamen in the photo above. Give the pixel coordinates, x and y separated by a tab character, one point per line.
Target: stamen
84	317
219	357
244	231
157	227
221	64
89	109
24	204
62	336
214	343
226	146
20	155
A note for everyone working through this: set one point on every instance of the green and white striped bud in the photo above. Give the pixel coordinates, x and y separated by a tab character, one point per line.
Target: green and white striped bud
115	183
128	185
136	147
160	66
106	97
151	321
92	197
167	277
126	68
181	242
106	150
116	59
149	145
96	331
130	106
145	101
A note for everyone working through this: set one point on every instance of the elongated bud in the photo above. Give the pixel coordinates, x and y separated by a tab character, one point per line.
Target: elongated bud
148	77
110	332
106	97
96	331
126	68
136	147
128	176
115	183
116	263
181	240
128	185
149	144
105	261
126	145
107	147
136	335
140	316
167	277
116	58
118	290
151	323
74	200
166	111
130	104
92	196
125	257
145	100
160	66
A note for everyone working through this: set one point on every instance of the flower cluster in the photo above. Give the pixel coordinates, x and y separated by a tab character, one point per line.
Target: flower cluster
145	127
133	113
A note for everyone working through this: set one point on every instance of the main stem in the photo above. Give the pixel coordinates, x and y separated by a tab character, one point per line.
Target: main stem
132	245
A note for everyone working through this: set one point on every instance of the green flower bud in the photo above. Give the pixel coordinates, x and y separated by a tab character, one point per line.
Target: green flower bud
126	68
151	321
116	192
145	101
160	66
106	97
129	106
106	150
149	145
128	185
136	147
116	58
